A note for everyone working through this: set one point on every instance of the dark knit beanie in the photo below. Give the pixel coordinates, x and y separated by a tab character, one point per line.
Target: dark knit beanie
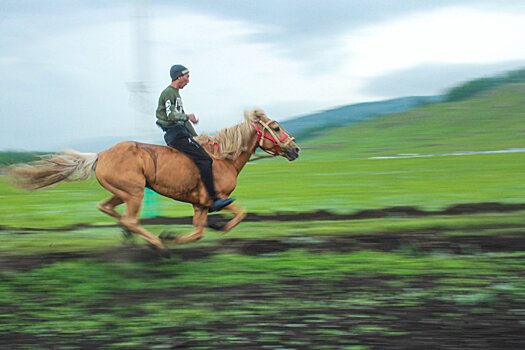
178	70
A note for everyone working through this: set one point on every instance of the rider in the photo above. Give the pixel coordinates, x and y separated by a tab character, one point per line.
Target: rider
179	131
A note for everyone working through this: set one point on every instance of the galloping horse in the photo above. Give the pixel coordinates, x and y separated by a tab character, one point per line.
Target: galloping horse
128	167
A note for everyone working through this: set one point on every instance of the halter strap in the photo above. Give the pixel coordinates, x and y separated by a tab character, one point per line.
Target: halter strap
277	141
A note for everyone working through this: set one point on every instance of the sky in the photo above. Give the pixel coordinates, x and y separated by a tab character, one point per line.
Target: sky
88	73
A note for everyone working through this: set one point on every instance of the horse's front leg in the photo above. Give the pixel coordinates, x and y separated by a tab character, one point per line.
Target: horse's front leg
200	216
238	216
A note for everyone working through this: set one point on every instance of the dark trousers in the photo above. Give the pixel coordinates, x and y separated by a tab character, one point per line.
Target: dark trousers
182	141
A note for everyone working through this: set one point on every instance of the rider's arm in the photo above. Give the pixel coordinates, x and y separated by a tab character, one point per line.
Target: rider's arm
172	114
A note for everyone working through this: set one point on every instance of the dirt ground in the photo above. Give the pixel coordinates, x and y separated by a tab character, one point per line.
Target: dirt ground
429	324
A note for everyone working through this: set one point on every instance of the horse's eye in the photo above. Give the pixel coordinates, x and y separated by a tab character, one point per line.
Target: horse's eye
277	129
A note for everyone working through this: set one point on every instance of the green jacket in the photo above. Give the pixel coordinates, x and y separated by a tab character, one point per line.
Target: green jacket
170	111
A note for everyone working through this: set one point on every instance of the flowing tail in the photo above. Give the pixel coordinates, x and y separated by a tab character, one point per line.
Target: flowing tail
68	166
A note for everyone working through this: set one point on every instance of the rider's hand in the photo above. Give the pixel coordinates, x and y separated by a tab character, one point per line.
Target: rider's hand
192	118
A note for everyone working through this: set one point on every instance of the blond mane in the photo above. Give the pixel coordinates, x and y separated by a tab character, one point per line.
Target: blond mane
233	140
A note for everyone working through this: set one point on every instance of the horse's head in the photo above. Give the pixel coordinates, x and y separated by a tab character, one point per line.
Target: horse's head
271	136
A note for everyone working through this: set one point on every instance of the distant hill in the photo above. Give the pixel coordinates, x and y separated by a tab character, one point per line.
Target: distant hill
474	87
12	157
313	124
492	120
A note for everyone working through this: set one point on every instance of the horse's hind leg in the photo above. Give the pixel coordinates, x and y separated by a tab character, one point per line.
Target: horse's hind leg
131	222
107	207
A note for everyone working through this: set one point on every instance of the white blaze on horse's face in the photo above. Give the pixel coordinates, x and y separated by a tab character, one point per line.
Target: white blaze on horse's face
275	140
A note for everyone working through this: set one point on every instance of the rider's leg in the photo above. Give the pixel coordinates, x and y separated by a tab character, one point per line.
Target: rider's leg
204	162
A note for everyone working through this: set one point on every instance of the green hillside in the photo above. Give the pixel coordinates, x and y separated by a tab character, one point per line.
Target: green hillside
12	157
493	120
309	126
474	87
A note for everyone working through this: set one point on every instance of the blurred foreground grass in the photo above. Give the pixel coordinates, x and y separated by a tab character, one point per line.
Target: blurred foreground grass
14	242
291	299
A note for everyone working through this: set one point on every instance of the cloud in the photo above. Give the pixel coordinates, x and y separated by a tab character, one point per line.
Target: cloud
73	84
306	30
229	72
463	39
66	67
59	86
451	35
433	79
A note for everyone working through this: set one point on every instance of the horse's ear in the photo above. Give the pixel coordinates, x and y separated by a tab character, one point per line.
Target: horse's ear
259	113
254	114
251	115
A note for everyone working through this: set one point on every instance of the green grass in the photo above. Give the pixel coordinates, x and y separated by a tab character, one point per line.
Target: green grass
278	186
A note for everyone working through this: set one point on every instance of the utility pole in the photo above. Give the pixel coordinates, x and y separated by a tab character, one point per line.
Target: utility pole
141	95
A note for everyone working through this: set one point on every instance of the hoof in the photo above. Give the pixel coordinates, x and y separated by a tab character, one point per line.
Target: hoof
218	226
217	222
167	236
127	236
162	252
126	233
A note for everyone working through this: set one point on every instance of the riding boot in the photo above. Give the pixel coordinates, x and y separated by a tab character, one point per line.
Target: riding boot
220	203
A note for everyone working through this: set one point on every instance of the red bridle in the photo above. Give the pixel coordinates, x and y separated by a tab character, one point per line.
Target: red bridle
277	141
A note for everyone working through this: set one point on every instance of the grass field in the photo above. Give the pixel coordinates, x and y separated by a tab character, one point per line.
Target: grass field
448	279
305	185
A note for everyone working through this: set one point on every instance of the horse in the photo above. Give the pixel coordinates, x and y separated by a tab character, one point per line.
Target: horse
127	168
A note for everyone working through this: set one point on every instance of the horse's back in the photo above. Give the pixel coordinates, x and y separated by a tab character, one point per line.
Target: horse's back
132	150
122	163
134	164
133	147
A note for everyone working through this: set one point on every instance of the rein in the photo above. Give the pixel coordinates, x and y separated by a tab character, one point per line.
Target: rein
259	157
277	141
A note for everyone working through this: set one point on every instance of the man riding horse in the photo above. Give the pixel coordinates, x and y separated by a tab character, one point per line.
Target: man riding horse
179	132
126	168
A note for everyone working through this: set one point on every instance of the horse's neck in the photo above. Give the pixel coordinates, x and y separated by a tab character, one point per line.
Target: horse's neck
244	157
